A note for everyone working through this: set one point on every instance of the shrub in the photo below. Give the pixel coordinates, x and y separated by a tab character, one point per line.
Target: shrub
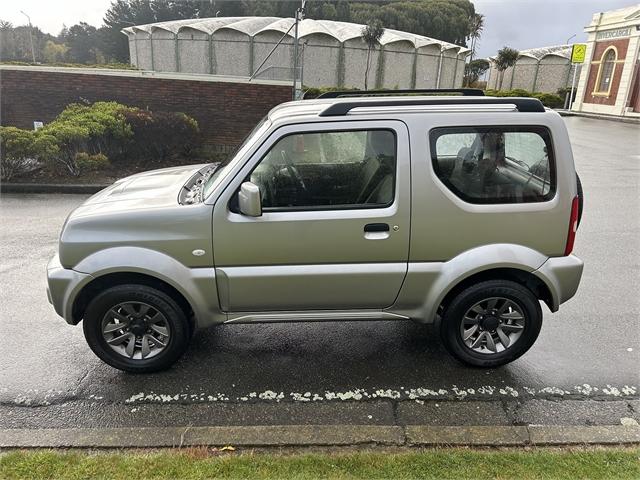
70	139
518	92
98	128
550	100
22	150
90	163
85	137
315	92
105	123
158	135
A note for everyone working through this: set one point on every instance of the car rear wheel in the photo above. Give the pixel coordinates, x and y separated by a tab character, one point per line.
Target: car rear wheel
136	328
491	323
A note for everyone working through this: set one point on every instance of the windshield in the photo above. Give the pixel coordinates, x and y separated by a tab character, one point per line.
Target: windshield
239	151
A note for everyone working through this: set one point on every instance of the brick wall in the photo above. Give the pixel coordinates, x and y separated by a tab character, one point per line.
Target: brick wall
225	111
600	47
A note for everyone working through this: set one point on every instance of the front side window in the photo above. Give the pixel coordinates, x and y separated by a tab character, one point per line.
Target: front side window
328	170
495	164
606	71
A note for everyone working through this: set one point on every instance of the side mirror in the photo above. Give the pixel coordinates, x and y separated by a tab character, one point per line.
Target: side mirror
249	200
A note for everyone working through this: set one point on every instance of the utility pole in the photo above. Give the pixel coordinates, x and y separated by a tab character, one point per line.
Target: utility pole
33	54
299	17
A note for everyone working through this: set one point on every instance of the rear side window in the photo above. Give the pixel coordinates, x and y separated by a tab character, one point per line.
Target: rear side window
495	164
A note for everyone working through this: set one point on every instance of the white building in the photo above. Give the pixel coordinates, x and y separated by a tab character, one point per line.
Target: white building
544	69
331	53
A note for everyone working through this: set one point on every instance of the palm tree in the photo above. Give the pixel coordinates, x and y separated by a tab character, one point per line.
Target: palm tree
371	34
476	26
506	57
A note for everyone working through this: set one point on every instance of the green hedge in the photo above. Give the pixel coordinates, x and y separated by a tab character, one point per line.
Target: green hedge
314	92
108	66
87	137
550	100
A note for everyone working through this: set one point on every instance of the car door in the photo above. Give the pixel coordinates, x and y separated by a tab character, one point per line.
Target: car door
334	229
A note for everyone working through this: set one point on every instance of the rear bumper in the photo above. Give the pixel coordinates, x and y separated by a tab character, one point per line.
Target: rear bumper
562	276
63	286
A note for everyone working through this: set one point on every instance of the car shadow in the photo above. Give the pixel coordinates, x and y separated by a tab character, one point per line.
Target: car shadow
237	360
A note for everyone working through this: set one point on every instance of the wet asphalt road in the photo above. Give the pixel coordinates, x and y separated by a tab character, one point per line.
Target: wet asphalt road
368	372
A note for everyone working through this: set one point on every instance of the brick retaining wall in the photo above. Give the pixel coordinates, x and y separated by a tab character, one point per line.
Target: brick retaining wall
225	110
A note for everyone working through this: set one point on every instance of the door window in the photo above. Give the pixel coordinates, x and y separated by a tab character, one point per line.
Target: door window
495	164
328	170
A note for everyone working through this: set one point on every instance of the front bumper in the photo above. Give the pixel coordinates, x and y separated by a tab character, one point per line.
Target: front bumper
562	276
63	286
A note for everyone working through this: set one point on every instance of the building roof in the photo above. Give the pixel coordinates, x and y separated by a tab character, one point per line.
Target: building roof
341	31
541	52
620	17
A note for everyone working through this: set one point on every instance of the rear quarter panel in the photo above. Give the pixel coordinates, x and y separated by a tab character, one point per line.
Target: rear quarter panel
443	225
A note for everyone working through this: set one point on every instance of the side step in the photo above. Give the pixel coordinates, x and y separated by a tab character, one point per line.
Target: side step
315	316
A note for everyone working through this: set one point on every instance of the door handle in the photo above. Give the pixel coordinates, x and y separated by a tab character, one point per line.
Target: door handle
376	227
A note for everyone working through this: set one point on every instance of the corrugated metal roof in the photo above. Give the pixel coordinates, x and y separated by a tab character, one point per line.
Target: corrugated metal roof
251	26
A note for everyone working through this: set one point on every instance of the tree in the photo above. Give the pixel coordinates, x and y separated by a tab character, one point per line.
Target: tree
447	20
82	43
475	32
15	42
506	58
54	52
474	70
371	35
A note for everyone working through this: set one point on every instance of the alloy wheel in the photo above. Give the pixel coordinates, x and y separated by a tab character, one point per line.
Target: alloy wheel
136	330
492	325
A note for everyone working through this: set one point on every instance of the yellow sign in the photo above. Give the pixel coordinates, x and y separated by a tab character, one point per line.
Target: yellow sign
578	52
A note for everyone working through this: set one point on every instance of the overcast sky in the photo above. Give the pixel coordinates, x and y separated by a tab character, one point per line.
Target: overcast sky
519	24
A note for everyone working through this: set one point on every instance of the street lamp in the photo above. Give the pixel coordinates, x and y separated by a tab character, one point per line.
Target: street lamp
569	39
299	17
33	54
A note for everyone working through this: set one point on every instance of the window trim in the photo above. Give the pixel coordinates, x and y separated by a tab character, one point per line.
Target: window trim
325	208
543	131
596	87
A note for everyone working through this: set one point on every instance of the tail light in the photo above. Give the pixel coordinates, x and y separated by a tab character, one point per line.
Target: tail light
573	226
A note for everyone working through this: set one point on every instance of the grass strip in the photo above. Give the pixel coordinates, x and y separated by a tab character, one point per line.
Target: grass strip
444	463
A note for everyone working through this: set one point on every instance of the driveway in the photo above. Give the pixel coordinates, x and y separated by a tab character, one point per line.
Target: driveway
584	368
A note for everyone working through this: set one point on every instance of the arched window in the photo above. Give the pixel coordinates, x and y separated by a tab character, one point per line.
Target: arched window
607	68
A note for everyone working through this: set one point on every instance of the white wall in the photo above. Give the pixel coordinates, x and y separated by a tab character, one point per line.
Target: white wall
193	51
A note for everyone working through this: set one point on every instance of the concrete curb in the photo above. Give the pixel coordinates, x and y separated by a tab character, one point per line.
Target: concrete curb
319	435
49	188
596	116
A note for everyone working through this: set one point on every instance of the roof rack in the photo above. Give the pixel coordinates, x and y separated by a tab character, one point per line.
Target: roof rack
467	92
522	104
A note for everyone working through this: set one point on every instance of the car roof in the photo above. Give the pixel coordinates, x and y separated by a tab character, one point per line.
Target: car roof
341	106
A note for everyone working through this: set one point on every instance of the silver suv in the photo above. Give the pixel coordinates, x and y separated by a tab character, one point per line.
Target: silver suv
458	209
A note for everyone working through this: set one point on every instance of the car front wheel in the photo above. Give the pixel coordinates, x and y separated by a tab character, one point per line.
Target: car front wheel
136	328
491	323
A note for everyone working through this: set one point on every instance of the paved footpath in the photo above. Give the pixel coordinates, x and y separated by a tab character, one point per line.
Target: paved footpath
583	370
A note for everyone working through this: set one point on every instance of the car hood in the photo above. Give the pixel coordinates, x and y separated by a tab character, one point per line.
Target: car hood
140	211
154	187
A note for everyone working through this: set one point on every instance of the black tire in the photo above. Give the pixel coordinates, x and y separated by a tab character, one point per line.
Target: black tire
580	198
450	330
180	331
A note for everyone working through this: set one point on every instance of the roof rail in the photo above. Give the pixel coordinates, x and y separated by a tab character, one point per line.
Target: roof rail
467	92
522	104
